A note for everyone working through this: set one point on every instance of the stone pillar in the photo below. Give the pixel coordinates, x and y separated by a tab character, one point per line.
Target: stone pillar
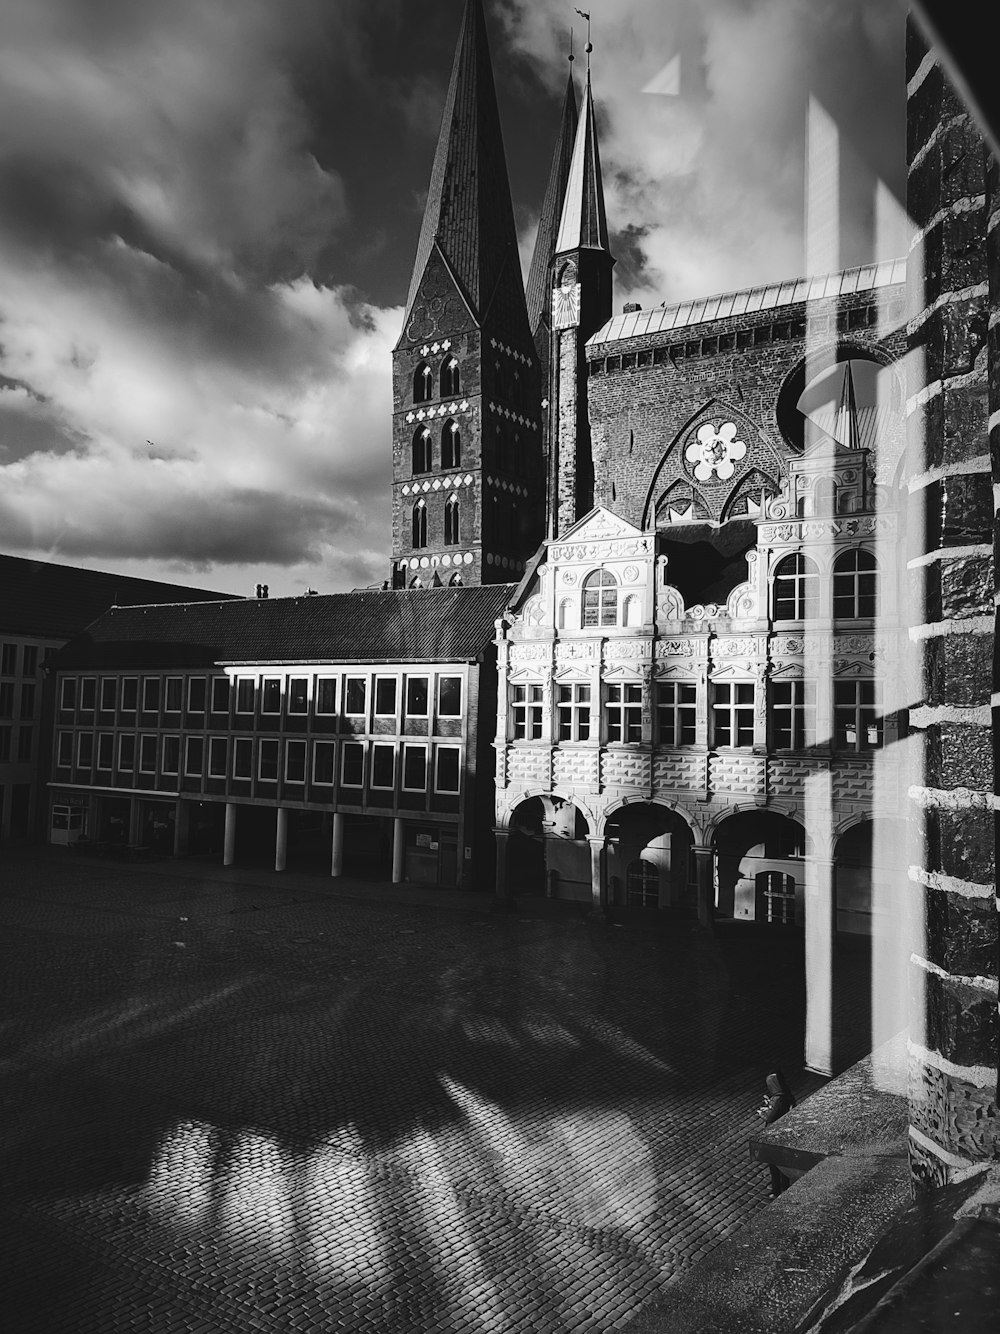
821	911
397	851
337	845
501	836
704	864
281	839
229	838
953	400
182	826
597	896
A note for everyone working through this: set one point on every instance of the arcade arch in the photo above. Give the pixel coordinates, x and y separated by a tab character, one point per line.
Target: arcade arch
647	857
548	850
760	867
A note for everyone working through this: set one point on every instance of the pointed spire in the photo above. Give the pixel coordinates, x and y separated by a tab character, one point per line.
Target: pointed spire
584	224
468	212
537	290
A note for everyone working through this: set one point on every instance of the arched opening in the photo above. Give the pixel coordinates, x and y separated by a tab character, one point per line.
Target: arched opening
419	524
451	445
423	450
600	599
795	594
423	383
452	526
855	580
547	850
450	379
760	868
648	857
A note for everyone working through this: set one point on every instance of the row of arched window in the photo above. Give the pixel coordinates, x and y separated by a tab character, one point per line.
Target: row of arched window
452	523
796	588
451	447
423	381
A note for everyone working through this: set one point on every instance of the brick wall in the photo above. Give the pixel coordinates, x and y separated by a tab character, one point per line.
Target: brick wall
952	388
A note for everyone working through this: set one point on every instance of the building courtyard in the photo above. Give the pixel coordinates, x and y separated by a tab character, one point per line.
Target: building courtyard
237	1100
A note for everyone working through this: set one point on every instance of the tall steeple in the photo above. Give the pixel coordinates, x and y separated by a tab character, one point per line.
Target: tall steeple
468	480
537	290
580	294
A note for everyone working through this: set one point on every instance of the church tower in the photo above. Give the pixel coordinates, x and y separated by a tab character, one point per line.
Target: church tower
468	478
580	297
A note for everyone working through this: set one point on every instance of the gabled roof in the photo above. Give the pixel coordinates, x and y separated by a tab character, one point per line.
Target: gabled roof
468	215
599	522
537	289
584	224
415	625
57	601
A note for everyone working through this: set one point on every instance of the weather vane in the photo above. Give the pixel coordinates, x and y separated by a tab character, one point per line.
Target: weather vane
589	47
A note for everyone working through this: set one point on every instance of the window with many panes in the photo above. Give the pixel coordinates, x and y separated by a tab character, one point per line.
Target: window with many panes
414	768
793	714
416	697
573	712
298	695
295	761
676	713
447	769
857	721
526	706
383	766
449	696
324	754
732	713
623	711
796	589
218	756
267	760
326	695
600	599
855	575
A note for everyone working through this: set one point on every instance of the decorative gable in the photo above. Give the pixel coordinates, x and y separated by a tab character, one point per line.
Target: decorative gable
600	522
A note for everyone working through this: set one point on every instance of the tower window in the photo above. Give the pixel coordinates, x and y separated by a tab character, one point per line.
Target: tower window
854	586
451	522
423	450
423	383
451	445
420	524
450	379
600	599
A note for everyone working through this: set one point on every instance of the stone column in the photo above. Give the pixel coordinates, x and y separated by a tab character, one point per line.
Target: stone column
397	851
501	842
820	905
337	845
281	839
229	838
704	864
597	895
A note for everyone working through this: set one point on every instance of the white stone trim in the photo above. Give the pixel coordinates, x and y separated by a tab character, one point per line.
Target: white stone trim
967	204
944	299
970	625
976	715
980	464
950	884
953	799
935	387
952	1159
921	73
987	984
982	1076
946	553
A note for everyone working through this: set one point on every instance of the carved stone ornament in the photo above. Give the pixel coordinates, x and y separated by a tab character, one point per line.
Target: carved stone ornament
571	650
528	652
735	648
715	451
674	648
619	650
788	646
569	576
428	318
630	574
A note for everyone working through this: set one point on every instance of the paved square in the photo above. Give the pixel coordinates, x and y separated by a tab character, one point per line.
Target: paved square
259	1105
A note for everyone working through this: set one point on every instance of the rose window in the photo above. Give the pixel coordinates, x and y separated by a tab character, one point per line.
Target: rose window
715	451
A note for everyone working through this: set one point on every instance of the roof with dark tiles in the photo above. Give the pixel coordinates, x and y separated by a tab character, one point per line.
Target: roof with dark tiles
415	625
57	601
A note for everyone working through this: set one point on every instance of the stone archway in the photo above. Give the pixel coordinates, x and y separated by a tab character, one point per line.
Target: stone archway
760	860
648	856
870	856
548	850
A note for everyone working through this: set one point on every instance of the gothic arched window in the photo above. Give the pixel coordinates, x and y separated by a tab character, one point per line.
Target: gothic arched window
451	522
796	589
423	383
420	524
600	599
451	445
455	581
423	450
450	380
855	591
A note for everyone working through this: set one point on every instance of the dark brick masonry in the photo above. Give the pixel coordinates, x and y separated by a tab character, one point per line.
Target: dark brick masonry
248	1103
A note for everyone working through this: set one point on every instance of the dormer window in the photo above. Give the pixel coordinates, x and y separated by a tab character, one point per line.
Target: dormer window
423	383
450	380
600	599
423	450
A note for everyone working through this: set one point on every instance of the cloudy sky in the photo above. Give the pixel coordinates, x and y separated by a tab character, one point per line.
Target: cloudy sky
209	208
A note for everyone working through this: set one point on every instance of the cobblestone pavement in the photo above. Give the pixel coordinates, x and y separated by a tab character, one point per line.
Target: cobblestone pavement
234	1106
